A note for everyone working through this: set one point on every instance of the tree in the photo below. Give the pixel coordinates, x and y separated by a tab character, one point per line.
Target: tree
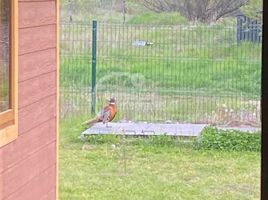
253	9
196	10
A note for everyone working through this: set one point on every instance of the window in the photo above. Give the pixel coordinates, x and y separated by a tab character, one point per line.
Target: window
8	71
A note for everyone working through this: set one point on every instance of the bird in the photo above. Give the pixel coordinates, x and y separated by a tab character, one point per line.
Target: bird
106	115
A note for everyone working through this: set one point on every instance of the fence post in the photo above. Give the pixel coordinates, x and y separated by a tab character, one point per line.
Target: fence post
94	64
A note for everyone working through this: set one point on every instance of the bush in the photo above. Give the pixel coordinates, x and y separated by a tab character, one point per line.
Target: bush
230	140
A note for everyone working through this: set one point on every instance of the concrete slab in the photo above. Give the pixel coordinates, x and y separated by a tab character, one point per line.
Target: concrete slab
146	129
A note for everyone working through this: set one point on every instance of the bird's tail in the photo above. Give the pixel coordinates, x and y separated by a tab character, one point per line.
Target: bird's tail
91	121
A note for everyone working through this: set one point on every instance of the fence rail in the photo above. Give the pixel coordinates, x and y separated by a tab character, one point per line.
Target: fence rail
190	74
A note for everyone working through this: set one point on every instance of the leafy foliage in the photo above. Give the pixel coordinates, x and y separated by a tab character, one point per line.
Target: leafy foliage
253	9
230	140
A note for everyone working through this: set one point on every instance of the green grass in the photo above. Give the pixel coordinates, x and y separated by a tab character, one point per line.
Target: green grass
158	18
152	168
87	10
190	58
229	75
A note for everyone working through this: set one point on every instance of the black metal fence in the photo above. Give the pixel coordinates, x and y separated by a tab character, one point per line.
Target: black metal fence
248	29
189	74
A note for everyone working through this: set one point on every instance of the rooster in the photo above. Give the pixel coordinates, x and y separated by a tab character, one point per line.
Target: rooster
106	115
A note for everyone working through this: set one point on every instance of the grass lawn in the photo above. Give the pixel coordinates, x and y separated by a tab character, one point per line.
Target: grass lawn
121	169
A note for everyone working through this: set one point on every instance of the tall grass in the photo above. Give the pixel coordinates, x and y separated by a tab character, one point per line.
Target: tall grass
198	58
173	18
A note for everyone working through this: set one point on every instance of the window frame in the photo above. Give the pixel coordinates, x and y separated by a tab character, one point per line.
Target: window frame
9	118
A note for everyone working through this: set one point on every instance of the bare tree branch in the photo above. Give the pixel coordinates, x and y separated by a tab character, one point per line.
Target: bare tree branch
200	10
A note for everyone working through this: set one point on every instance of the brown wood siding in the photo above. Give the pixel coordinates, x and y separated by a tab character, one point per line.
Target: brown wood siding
41	62
40	187
28	165
37	88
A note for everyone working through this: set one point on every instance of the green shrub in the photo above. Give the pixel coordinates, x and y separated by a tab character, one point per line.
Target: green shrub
230	140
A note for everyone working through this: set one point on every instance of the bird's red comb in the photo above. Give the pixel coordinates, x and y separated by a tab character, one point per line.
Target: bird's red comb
112	100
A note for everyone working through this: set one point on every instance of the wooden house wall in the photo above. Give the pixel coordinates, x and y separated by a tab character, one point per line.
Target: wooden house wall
28	164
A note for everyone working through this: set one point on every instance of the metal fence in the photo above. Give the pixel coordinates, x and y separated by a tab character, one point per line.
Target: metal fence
248	29
188	74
